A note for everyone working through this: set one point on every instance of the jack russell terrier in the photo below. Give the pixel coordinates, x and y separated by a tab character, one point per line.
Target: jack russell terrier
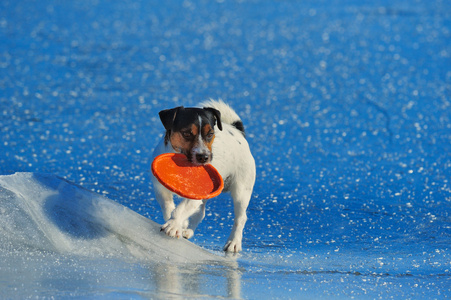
212	134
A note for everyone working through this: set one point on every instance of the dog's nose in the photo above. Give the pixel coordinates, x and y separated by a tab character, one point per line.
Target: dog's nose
202	158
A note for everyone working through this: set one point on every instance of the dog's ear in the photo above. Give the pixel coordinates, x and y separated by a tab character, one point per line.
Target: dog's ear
167	117
217	115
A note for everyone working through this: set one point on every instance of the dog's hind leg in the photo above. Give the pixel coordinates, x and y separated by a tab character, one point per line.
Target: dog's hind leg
241	198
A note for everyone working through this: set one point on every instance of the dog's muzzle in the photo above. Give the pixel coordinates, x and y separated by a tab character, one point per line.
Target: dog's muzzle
202	158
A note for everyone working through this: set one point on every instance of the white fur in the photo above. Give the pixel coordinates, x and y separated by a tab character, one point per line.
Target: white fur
228	115
234	161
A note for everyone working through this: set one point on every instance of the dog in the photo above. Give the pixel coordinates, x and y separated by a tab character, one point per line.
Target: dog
212	133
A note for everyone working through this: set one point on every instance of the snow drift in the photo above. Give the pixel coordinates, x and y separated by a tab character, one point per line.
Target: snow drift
47	213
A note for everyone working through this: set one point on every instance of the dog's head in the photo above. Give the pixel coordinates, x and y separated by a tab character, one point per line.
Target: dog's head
191	131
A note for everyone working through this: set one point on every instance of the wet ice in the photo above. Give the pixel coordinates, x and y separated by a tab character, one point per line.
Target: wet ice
346	106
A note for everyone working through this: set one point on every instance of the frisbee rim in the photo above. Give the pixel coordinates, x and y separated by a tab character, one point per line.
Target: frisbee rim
208	167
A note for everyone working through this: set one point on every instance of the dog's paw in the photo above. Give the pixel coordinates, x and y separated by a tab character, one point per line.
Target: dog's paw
173	229
188	233
232	246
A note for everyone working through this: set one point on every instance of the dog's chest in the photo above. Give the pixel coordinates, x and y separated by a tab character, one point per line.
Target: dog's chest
227	183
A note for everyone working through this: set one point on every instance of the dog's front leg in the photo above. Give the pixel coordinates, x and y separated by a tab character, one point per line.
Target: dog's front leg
164	197
177	225
241	200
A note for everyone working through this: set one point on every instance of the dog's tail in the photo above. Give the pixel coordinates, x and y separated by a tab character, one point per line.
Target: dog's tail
228	115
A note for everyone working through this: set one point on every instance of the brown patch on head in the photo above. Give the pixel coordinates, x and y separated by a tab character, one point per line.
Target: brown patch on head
206	129
194	130
208	136
179	143
184	140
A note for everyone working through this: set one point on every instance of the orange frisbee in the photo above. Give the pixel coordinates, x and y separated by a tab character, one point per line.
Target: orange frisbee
176	173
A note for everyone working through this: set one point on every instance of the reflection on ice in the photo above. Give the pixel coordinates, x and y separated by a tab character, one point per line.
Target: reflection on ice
60	236
43	274
222	279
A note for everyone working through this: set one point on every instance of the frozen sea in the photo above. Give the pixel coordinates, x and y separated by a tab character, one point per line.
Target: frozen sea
347	106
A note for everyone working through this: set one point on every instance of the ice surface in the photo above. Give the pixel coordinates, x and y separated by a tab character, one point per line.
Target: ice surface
346	105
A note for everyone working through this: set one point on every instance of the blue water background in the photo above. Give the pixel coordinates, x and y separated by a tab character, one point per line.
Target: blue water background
346	105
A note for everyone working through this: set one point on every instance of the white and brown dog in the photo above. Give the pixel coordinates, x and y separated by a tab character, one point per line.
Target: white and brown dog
212	134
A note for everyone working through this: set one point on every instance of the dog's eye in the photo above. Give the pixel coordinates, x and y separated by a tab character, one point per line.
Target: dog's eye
210	135
187	134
